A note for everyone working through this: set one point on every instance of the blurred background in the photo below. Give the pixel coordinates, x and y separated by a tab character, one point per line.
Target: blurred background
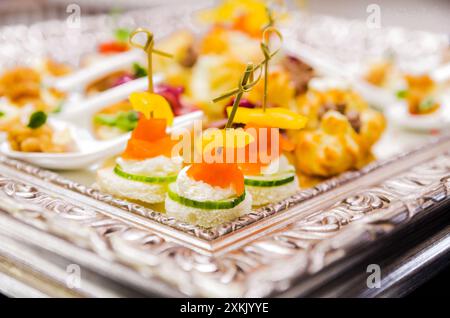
431	15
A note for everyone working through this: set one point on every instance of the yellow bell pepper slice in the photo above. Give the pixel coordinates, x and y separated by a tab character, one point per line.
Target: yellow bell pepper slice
275	117
223	138
152	106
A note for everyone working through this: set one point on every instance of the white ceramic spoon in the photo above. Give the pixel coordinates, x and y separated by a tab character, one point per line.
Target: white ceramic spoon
79	79
74	84
89	150
438	120
384	98
81	112
379	98
441	74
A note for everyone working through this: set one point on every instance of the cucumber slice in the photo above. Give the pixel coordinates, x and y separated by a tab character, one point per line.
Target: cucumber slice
118	171
274	181
205	205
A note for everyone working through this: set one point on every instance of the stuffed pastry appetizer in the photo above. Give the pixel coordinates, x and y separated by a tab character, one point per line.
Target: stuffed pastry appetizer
340	132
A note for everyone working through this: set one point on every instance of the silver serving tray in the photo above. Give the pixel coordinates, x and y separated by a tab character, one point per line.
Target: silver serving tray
49	221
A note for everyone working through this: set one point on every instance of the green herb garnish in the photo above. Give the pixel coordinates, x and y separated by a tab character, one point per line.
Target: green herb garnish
139	71
426	105
401	94
2	114
122	34
58	108
37	119
125	121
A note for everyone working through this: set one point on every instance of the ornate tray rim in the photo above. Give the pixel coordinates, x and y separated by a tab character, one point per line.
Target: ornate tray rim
225	229
267	265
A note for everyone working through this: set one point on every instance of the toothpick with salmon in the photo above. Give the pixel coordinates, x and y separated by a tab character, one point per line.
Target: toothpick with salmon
212	191
268	175
147	165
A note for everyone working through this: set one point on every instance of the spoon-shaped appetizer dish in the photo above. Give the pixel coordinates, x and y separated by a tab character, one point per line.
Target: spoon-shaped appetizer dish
81	79
61	145
414	99
434	121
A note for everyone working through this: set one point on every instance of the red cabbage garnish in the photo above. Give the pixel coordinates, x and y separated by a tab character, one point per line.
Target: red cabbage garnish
173	96
123	79
243	103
